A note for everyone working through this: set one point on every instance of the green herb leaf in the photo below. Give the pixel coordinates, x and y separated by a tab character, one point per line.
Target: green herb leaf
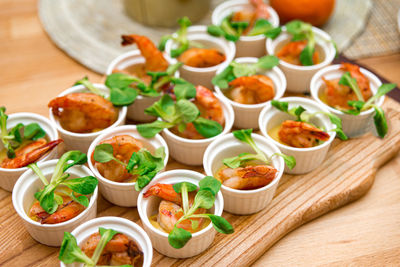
221	224
187	110
380	122
85	82
382	90
211	184
106	236
163	108
347	80
179	237
282	106
189	186
207	128
306	55
222	79
338	123
183	89
46	199
297	111
204	199
103	153
290	161
33	131
84	185
261	26
123	96
70	252
267	62
149	130
215	30
163	41
240	160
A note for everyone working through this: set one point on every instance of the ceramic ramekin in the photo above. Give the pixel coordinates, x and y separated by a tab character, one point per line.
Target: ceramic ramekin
10	176
136	109
200	241
236	201
123	194
191	151
246	116
298	77
246	46
203	76
307	159
81	141
353	126
121	225
23	197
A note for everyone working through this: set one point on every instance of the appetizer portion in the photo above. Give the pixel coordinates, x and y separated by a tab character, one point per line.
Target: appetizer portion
62	199
191	53
23	144
250	21
123	158
184	209
300	50
302	133
196	113
242	82
107	247
250	171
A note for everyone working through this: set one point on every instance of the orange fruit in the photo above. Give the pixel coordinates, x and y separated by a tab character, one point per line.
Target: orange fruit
316	12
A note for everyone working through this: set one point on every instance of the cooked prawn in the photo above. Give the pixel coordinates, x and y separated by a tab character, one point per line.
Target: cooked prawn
202	57
30	153
170	210
83	112
123	148
68	210
301	134
209	107
338	95
252	89
155	60
292	50
259	11
249	177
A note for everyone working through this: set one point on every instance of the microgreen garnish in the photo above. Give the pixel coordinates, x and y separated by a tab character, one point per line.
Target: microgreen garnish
19	133
303	115
235	70
360	105
85	82
84	186
244	135
180	38
205	198
142	163
232	30
303	31
70	252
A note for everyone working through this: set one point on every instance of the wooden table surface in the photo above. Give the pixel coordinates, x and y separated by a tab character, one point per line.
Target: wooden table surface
366	232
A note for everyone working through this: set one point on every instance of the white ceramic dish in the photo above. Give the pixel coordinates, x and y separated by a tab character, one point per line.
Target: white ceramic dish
23	197
246	116
124	226
203	76
191	151
307	159
81	141
136	109
236	201
246	46
10	176
298	77
123	194
200	241
353	126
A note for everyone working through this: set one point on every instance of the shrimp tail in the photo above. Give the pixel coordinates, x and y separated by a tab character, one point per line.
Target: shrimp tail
164	191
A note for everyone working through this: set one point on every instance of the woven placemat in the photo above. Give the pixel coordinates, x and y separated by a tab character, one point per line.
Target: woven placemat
89	30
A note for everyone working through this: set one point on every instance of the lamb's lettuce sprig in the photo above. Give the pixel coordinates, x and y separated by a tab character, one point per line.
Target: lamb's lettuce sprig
244	135
50	201
180	38
18	134
205	198
142	163
303	115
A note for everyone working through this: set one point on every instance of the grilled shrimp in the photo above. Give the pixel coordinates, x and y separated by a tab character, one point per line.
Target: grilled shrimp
338	95
30	153
259	11
292	50
253	89
201	57
155	60
123	148
83	112
301	134
249	177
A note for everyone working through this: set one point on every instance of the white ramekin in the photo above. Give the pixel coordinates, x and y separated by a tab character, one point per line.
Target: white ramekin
136	109
200	241
121	225
353	126
298	77
236	201
123	194
307	159
246	46
203	76
246	116
191	151
10	176
23	197
81	141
